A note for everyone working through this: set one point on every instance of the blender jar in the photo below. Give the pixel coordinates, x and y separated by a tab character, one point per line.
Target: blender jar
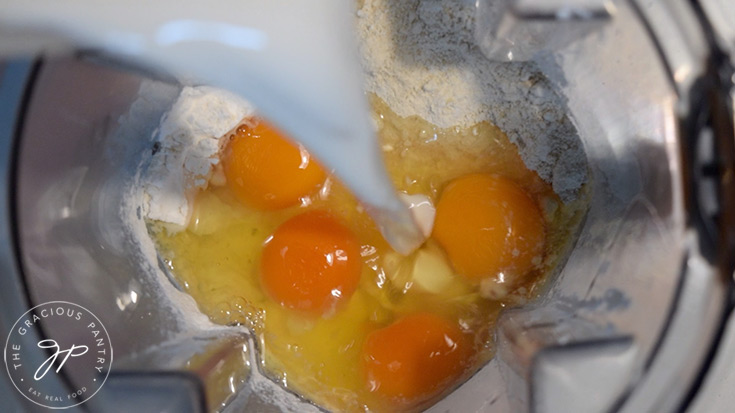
629	323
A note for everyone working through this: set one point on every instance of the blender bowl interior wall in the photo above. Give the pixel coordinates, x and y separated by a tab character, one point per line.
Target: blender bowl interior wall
610	304
74	159
85	131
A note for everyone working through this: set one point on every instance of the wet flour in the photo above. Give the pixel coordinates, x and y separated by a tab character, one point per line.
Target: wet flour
421	59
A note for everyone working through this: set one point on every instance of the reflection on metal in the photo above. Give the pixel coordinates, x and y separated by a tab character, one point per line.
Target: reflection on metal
518	30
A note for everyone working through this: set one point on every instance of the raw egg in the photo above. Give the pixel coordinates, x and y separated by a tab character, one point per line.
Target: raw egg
264	169
311	263
415	357
489	226
340	318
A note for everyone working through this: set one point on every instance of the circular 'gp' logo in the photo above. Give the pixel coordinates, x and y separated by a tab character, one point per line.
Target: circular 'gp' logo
81	352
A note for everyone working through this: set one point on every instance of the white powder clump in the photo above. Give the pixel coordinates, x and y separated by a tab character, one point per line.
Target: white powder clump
187	150
421	58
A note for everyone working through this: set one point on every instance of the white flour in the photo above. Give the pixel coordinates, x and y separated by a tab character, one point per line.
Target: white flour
188	145
420	58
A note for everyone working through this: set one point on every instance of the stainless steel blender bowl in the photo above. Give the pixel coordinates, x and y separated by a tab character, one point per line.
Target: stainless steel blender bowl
630	323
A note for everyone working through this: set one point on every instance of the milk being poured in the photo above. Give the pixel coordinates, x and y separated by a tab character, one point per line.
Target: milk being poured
296	61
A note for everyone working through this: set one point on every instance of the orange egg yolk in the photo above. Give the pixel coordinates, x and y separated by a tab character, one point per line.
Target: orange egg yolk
414	358
266	170
311	263
489	226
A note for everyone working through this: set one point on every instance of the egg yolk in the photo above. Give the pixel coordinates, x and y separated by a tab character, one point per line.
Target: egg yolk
265	170
489	226
311	263
414	358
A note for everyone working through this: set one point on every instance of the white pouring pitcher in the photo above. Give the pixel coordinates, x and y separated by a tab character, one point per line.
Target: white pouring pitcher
296	60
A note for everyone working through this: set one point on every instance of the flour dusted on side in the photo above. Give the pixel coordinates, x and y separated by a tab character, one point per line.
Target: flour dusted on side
187	150
420	57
